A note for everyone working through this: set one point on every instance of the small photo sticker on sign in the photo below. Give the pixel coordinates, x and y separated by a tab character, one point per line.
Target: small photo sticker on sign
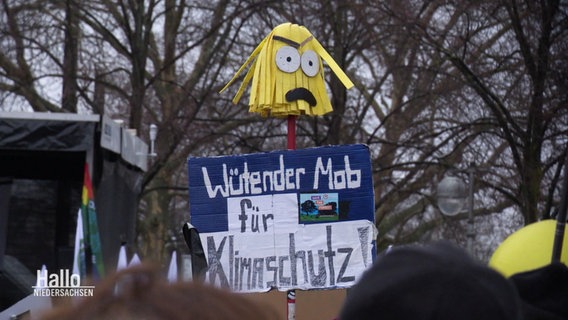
318	207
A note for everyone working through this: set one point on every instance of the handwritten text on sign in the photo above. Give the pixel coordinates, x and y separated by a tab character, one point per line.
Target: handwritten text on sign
256	233
237	183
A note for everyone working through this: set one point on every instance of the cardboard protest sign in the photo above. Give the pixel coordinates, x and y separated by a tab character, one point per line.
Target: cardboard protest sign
295	219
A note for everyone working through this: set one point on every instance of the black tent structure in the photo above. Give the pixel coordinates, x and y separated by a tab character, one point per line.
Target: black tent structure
42	159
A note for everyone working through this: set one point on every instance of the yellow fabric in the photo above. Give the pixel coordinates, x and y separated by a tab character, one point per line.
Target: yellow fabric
527	249
270	84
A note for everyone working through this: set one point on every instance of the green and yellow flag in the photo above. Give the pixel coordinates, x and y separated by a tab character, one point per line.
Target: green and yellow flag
92	239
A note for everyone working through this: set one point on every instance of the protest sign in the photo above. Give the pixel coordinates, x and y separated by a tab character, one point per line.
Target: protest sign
295	219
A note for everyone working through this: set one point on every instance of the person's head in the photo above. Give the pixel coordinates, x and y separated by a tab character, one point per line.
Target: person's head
437	281
544	292
141	292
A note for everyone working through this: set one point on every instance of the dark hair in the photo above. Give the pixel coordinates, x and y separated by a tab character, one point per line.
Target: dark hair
437	281
141	292
544	291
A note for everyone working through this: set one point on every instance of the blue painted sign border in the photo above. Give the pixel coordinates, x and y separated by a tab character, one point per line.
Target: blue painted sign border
341	170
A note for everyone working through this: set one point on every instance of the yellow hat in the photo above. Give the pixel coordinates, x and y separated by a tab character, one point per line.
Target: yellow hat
527	249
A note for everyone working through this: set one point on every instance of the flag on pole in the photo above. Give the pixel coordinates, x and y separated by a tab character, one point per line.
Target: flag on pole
42	283
90	227
122	259
79	266
134	261
172	270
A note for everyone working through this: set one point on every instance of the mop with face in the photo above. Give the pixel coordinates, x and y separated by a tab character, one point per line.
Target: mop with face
287	74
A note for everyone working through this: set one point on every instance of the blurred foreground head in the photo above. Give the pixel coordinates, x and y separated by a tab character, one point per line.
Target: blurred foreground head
437	281
141	292
544	292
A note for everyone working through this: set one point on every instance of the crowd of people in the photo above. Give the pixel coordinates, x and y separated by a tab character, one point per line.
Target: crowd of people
143	292
433	281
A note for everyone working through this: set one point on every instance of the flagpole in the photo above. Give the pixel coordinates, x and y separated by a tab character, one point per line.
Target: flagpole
292	132
561	217
291	294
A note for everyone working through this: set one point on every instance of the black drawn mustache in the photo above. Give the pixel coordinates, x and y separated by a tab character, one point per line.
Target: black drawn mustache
301	94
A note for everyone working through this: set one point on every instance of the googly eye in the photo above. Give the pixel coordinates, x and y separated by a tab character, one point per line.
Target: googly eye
287	59
310	63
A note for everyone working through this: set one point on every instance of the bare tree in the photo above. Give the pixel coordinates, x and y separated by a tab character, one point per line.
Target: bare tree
518	42
488	89
174	51
439	85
